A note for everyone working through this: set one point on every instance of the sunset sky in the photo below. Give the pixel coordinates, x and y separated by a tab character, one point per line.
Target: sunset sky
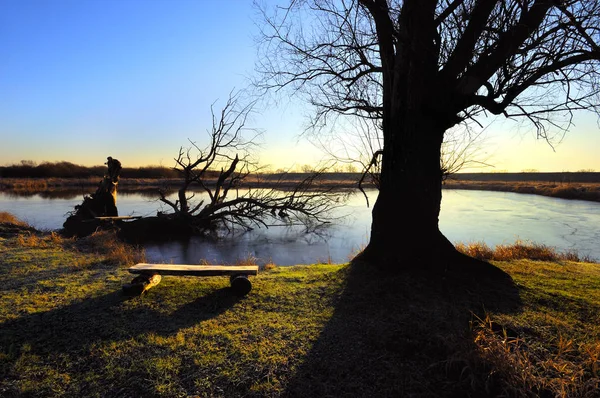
84	79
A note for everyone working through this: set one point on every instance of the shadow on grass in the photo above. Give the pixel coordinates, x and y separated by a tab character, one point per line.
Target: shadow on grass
403	334
27	282
33	279
109	317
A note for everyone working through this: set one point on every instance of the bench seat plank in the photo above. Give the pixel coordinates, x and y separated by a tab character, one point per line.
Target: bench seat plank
194	270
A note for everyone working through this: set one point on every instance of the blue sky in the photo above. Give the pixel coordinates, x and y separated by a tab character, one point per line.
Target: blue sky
84	79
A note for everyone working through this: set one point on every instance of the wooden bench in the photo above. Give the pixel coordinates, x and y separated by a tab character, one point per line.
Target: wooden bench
149	275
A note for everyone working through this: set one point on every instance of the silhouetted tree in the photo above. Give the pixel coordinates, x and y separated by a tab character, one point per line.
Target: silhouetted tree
421	67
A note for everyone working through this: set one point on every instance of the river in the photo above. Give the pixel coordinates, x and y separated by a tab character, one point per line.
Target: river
466	216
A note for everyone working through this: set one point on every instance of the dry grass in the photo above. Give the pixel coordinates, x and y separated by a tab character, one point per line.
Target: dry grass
37	184
40	239
30	240
516	368
270	265
104	243
108	245
518	250
582	191
248	260
26	236
8	218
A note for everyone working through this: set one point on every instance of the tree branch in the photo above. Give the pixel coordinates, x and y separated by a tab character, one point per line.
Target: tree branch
506	46
463	52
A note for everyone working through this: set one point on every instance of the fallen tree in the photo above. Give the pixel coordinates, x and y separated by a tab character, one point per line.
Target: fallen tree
214	199
226	202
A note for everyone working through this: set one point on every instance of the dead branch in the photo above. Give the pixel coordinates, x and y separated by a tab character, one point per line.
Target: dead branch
372	163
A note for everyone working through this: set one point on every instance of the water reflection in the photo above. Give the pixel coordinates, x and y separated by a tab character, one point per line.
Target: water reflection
281	245
492	217
146	192
47	194
72	193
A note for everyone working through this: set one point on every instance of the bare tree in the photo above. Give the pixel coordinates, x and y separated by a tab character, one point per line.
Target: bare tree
220	171
359	142
420	68
463	148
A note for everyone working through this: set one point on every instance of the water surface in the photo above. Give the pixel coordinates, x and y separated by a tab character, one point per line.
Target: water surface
467	216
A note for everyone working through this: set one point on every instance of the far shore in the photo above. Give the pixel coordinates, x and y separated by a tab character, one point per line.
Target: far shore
563	190
581	185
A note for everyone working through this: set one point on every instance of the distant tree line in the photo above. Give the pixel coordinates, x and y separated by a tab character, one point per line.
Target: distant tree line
29	169
63	169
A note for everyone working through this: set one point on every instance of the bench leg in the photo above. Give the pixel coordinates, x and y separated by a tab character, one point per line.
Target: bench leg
140	284
240	284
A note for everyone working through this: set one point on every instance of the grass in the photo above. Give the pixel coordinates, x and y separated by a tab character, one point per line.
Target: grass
66	330
317	330
552	346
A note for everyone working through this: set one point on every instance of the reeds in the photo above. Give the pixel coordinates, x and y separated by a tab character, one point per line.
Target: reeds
519	250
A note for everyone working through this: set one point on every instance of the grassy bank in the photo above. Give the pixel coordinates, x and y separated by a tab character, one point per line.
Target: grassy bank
52	187
565	190
279	181
317	330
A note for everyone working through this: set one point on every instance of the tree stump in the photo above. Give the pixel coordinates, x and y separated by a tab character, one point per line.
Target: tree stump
103	202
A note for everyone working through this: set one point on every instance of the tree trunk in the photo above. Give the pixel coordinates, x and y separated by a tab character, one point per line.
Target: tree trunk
416	115
183	204
405	223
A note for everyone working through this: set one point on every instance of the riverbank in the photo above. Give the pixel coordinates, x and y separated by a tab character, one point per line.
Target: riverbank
563	190
316	330
583	187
